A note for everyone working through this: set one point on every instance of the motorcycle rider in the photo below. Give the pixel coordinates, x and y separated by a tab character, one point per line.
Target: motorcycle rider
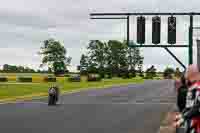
53	94
57	92
192	109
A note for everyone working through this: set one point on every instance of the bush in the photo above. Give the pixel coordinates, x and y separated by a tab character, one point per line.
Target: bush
120	75
3	79
94	77
141	75
74	78
132	73
24	79
109	76
148	76
102	75
50	79
145	77
168	72
66	75
126	76
157	78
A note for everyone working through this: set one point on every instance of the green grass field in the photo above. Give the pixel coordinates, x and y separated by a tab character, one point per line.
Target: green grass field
15	91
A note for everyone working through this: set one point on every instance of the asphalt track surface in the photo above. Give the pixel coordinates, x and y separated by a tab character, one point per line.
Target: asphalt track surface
138	108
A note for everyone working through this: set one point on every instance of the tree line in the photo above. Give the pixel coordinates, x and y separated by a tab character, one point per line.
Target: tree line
112	58
13	68
53	55
7	68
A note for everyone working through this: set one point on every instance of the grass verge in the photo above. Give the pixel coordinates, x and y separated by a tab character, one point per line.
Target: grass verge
14	92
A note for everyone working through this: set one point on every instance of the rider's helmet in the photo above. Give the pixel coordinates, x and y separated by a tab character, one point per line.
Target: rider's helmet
52	89
192	74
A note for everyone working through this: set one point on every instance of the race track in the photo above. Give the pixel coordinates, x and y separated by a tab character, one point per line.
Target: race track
135	108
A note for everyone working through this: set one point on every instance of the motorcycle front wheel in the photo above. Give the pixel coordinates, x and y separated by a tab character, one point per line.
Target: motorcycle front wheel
51	100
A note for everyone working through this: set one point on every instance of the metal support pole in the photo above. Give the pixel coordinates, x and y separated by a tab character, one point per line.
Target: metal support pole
191	40
128	24
128	39
175	57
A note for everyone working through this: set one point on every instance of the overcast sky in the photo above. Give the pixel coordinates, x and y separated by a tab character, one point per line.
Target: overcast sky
24	24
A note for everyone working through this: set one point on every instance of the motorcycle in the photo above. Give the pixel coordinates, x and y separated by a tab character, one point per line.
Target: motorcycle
53	97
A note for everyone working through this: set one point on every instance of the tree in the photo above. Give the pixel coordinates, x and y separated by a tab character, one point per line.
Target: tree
84	61
49	70
17	69
5	67
84	64
140	68
168	73
112	58
54	56
21	69
97	56
59	67
117	56
135	59
12	68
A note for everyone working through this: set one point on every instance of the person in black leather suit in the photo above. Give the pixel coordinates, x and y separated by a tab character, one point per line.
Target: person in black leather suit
192	108
53	95
181	93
